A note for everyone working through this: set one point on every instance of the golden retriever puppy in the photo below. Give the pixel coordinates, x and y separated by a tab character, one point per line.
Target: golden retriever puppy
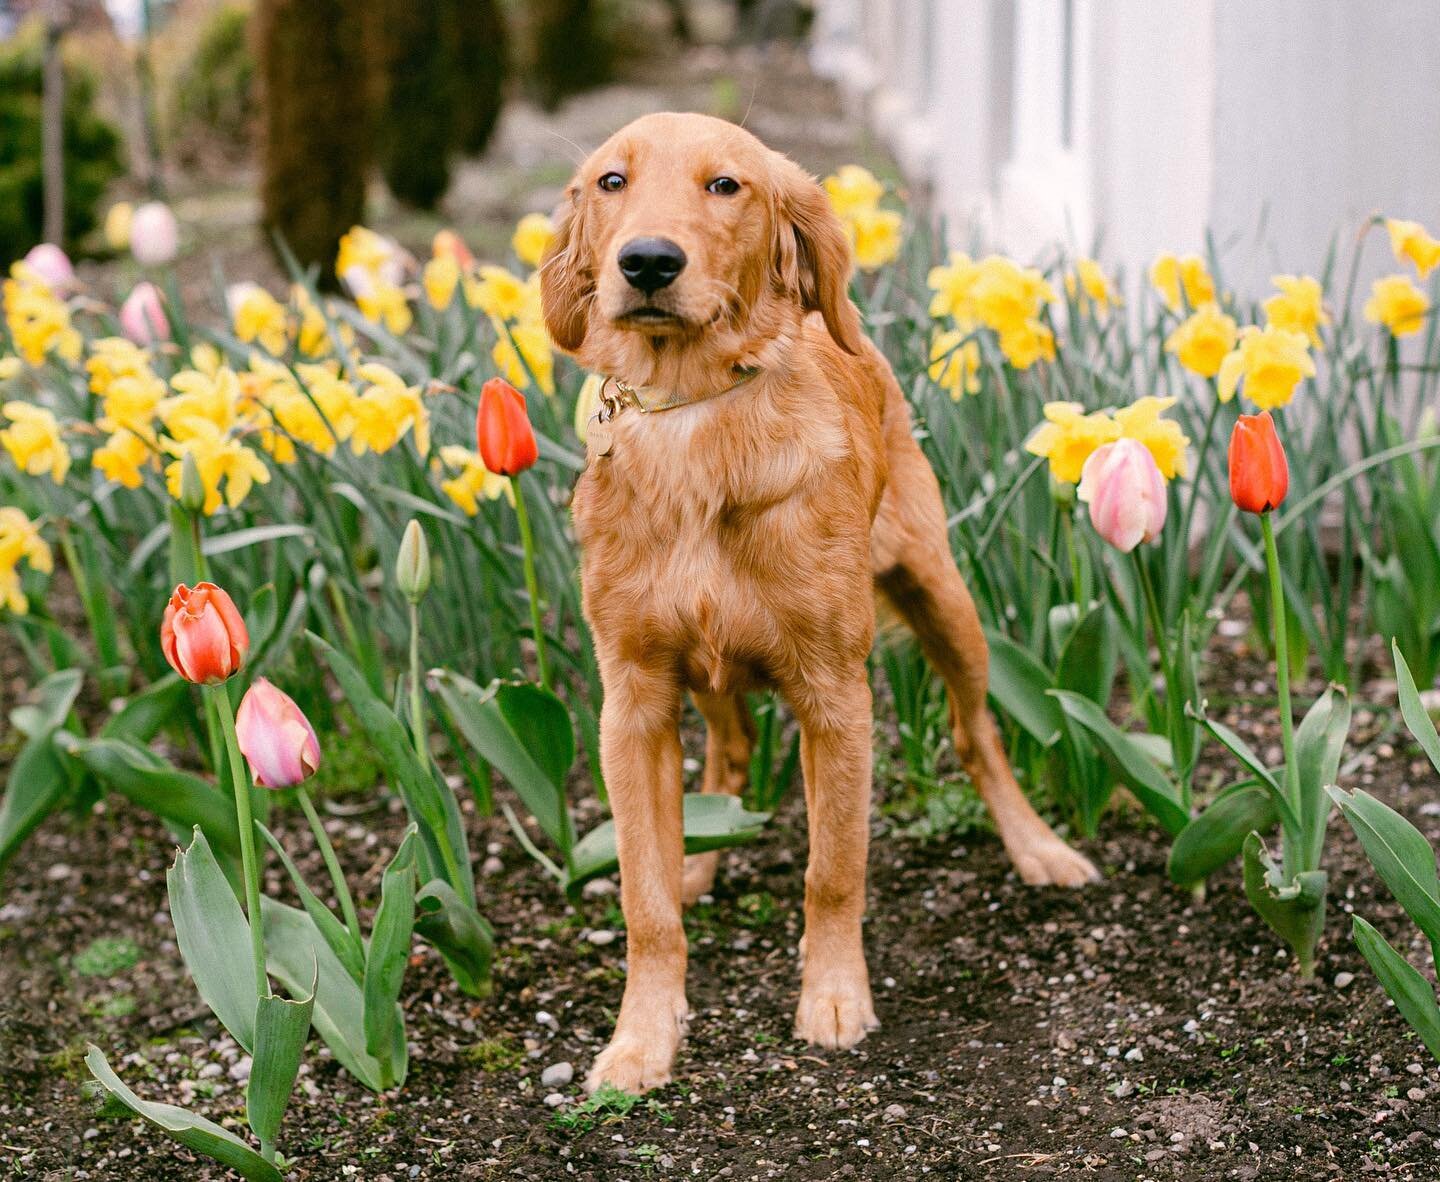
752	482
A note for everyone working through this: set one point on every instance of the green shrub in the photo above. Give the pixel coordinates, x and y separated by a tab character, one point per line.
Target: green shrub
216	95
415	135
92	151
476	43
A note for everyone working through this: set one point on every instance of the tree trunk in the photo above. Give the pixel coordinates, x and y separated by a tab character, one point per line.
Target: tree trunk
52	126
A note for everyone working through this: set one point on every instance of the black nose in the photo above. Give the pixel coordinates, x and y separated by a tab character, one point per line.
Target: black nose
651	263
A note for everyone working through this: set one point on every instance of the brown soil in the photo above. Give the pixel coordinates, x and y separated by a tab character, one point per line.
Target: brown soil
1120	1032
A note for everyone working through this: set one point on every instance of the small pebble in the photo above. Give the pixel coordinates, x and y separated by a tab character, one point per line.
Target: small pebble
546	1020
554	1100
557	1075
895	1112
1343	979
602	937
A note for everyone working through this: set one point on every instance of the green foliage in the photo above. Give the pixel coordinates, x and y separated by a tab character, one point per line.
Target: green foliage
476	44
316	142
216	97
92	151
415	130
106	956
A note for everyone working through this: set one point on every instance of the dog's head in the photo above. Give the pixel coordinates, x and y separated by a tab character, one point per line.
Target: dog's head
682	228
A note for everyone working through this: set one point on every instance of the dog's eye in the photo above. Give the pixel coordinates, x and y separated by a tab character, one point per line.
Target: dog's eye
723	186
612	182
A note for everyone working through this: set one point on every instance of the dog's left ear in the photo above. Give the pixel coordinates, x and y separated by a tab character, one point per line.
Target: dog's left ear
813	258
567	286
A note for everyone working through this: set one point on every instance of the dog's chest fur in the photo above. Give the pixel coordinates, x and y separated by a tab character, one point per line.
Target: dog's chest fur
708	536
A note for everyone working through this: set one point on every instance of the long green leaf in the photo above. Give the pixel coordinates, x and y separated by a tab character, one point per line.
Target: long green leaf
459	932
1400	854
39	778
214	938
1412	993
1020	686
145	713
1143	777
1413	710
282	1028
194	1132
342	943
1214	837
388	955
1319	744
1087	665
1294	910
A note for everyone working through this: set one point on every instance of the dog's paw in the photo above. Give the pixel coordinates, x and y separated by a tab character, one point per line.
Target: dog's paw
836	1013
699	876
1053	863
632	1066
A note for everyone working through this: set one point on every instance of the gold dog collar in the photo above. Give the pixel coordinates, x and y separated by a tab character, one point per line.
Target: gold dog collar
655	399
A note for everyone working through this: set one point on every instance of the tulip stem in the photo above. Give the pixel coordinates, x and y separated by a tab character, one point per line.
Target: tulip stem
1293	841
532	585
1157	621
249	864
332	864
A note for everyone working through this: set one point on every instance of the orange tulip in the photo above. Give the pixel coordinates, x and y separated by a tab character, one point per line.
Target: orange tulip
1259	475
203	635
502	429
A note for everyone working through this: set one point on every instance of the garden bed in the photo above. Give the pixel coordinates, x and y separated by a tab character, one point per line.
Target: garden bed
1121	1032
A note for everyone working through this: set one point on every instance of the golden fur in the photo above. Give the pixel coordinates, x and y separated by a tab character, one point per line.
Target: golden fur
739	542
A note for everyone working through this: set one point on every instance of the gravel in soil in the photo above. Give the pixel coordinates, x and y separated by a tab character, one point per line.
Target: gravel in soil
1126	1031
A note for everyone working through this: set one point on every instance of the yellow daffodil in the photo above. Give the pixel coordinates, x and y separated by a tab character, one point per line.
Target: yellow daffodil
312	333
1188	274
20	540
386	411
218	457
524	349
1089	279
385	304
1298	307
10	368
503	295
39	321
1409	240
440	278
955	363
1270	361
320	414
364	252
587	404
201	400
258	318
34	441
473	479
853	188
1203	340
1398	304
125	458
953	283
1026	343
1163	438
117	225
875	235
1069	436
533	234
128	389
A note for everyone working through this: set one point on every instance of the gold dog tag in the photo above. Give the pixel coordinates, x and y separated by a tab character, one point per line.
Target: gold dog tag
599	436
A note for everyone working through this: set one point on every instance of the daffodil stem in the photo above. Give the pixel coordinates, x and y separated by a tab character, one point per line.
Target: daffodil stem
332	863
532	585
1293	841
1067	527
249	864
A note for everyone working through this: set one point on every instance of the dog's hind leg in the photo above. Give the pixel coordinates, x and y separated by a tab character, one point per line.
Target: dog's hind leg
916	572
729	737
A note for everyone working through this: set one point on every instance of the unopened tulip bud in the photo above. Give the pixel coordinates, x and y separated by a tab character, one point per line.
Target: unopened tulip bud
154	234
1259	473
192	487
412	566
53	267
142	315
1126	493
117	225
503	435
275	737
203	635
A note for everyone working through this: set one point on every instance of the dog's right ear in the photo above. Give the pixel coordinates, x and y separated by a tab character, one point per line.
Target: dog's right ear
567	285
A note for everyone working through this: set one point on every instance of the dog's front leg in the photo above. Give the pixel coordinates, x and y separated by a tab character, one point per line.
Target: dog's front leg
835	735
640	754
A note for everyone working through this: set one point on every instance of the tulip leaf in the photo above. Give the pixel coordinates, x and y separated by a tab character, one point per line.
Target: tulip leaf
294	950
431	806
343	944
1087	663
214	938
1413	710
389	954
146	779
1319	743
1140	773
526	737
239	539
1020	685
145	713
712	822
1400	854
192	1131
282	1028
1214	837
459	933
39	778
1408	989
1295	910
1253	764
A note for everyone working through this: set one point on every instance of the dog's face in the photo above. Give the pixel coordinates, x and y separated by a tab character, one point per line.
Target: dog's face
683	226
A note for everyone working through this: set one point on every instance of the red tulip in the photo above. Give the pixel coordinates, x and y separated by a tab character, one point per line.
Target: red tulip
203	635
1259	475
275	737
502	429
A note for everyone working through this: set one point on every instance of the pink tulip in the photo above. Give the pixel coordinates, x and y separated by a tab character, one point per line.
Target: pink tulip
154	234
275	737
1126	494
142	315
53	266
